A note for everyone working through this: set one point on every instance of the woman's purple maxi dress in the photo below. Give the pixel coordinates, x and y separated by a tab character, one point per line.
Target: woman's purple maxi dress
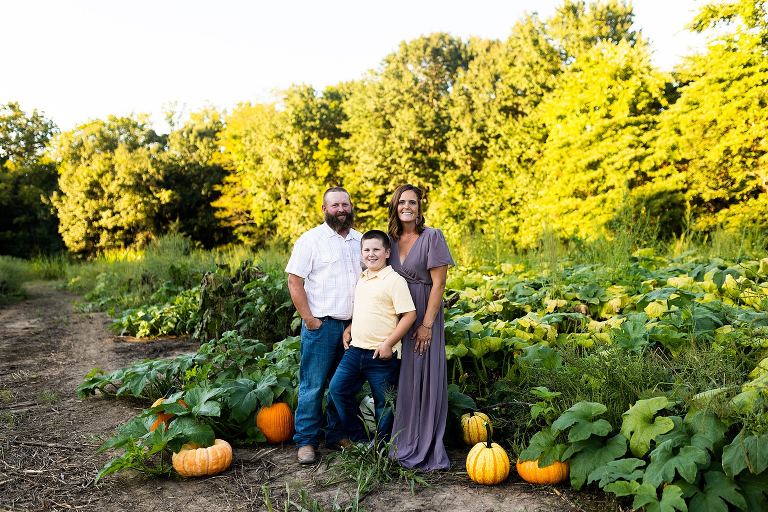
422	395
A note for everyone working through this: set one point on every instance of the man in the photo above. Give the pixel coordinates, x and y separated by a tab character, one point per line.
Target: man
322	273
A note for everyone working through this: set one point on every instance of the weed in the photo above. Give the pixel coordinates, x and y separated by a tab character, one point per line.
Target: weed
370	466
48	397
6	396
13	272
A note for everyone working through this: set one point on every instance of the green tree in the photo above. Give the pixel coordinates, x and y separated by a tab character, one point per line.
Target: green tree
492	143
577	27
111	184
281	159
399	120
599	121
711	148
28	225
193	172
246	204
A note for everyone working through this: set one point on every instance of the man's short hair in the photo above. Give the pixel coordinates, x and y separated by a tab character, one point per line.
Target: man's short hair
375	234
334	189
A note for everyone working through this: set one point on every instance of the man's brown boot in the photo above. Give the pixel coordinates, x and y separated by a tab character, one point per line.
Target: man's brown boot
306	454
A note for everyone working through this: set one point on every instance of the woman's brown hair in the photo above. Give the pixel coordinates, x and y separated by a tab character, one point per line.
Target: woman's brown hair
395	226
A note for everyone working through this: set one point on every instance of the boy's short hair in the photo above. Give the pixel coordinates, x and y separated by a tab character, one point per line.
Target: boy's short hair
375	234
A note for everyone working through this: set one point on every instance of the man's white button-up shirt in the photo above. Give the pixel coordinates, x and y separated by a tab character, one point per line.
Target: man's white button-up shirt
330	267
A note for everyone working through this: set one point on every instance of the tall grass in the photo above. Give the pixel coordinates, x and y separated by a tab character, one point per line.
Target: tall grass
13	273
613	252
50	267
130	278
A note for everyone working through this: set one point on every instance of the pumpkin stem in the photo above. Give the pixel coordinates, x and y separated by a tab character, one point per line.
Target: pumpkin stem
488	431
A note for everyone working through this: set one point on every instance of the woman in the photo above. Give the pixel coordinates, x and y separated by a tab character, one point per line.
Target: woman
421	256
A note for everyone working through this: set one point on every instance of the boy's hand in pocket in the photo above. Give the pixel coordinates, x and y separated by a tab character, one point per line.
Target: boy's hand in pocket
383	352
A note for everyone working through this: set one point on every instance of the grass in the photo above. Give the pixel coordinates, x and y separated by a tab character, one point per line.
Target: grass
13	273
48	397
118	280
370	467
6	396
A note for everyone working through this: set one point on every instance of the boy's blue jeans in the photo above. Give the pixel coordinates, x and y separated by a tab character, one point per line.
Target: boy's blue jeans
356	366
321	351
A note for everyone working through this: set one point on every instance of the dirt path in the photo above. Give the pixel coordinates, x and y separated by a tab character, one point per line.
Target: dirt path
48	436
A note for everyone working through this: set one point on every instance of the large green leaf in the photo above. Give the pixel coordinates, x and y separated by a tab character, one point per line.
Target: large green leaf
666	460
200	401
458	402
755	490
671	500
542	355
544	447
127	433
242	398
646	497
640	427
588	455
632	334
716	494
189	430
746	451
455	351
621	469
580	421
707	430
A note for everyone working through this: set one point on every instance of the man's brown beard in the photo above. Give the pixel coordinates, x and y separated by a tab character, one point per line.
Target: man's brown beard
338	225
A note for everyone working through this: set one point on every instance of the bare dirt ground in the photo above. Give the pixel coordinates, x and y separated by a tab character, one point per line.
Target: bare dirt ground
48	437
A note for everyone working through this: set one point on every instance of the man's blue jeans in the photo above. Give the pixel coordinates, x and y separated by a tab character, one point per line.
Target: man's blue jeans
321	351
357	366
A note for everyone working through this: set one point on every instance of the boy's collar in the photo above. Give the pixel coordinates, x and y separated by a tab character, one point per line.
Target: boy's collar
383	272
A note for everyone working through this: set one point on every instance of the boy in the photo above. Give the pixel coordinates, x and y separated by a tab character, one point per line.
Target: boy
382	313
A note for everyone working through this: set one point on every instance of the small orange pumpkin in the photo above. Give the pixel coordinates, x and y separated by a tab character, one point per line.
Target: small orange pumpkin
473	427
164	417
275	422
549	475
192	460
487	463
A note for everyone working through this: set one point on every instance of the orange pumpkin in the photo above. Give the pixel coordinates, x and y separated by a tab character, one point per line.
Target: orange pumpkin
192	460
275	422
487	463
473	427
549	475
164	417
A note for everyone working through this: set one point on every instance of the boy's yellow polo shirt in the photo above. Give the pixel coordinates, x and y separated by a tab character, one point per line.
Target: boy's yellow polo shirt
380	297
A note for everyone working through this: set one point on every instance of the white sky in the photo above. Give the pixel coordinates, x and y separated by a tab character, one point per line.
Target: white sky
77	60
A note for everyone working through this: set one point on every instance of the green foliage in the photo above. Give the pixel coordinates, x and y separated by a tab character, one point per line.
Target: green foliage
580	421
142	448
646	497
223	385
746	451
254	302
641	427
193	173
111	185
13	272
27	179
717	492
370	467
178	316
